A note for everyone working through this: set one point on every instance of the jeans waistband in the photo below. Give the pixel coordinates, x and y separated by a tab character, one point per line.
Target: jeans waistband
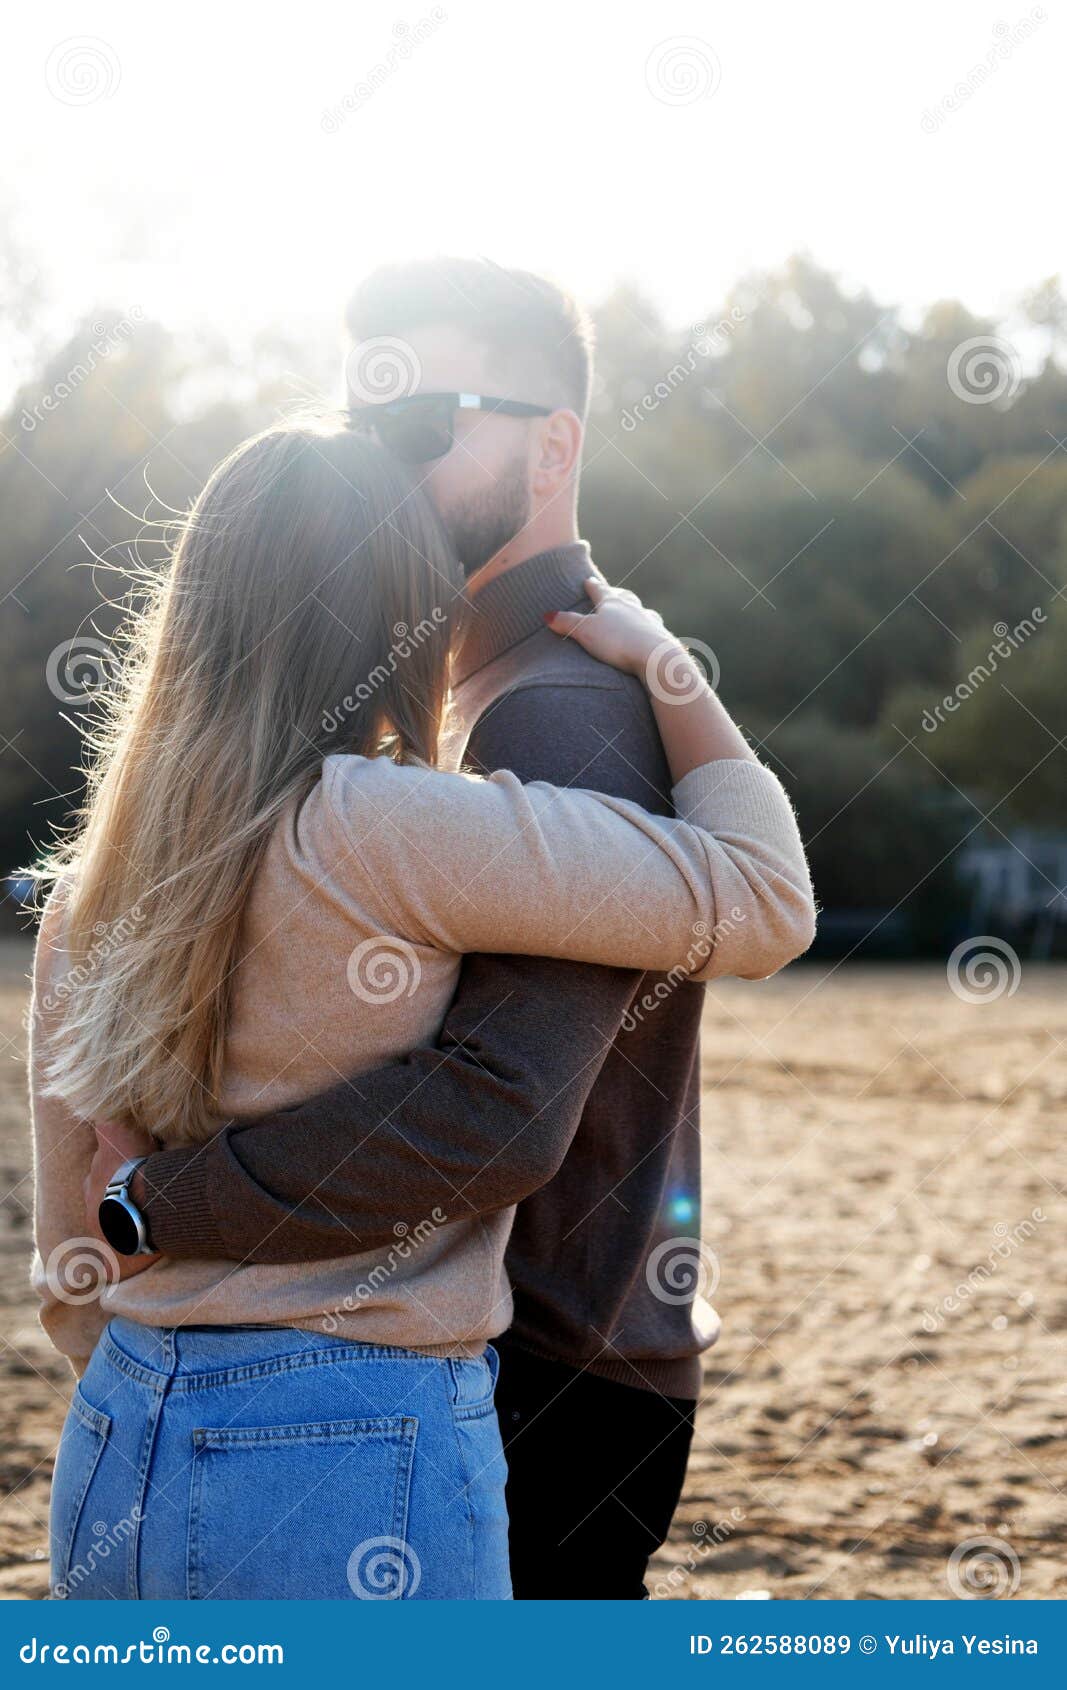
162	1354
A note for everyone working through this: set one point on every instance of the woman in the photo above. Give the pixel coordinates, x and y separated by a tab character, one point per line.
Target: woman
272	885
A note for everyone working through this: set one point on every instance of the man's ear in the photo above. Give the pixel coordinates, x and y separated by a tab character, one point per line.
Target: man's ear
559	451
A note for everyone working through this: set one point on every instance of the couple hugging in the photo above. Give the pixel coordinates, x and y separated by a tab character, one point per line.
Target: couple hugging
384	1172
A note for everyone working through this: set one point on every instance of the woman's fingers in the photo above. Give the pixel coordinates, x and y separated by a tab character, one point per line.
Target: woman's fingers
618	630
602	592
565	621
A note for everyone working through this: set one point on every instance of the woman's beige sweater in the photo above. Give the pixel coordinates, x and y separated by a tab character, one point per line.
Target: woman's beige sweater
367	896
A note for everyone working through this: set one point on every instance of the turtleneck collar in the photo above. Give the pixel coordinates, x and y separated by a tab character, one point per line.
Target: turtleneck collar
512	607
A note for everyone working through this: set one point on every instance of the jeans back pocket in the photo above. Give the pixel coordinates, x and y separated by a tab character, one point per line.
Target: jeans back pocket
295	1513
85	1435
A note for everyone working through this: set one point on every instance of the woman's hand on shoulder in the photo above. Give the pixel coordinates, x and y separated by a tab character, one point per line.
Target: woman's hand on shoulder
620	630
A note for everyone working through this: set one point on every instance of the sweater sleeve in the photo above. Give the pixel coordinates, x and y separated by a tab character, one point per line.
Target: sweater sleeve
466	864
70	1269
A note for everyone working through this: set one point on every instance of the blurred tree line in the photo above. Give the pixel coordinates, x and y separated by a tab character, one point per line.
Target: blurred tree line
846	510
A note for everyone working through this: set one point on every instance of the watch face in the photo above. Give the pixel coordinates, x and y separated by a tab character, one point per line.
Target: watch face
119	1227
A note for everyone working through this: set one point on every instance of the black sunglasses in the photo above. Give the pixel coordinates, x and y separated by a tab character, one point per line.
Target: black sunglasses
421	427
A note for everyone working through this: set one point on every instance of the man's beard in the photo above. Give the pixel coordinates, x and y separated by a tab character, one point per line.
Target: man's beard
482	524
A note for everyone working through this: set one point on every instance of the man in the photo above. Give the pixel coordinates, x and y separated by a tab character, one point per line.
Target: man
547	1086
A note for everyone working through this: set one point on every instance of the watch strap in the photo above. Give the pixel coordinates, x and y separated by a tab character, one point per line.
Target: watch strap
118	1184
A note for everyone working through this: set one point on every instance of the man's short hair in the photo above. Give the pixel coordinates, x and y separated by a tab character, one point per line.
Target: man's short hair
534	326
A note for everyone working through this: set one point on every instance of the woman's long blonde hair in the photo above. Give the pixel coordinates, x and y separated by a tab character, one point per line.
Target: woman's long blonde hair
304	612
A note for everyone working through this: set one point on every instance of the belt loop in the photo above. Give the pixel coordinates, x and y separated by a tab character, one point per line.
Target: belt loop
493	1361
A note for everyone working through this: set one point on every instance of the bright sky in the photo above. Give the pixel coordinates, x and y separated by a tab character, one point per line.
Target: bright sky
198	161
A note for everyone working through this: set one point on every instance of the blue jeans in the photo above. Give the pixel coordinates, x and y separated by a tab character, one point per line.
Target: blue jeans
265	1462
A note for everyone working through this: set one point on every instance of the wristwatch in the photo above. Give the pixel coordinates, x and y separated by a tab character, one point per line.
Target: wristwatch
121	1221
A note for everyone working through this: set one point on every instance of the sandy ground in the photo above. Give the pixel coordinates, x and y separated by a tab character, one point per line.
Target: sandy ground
885	1202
